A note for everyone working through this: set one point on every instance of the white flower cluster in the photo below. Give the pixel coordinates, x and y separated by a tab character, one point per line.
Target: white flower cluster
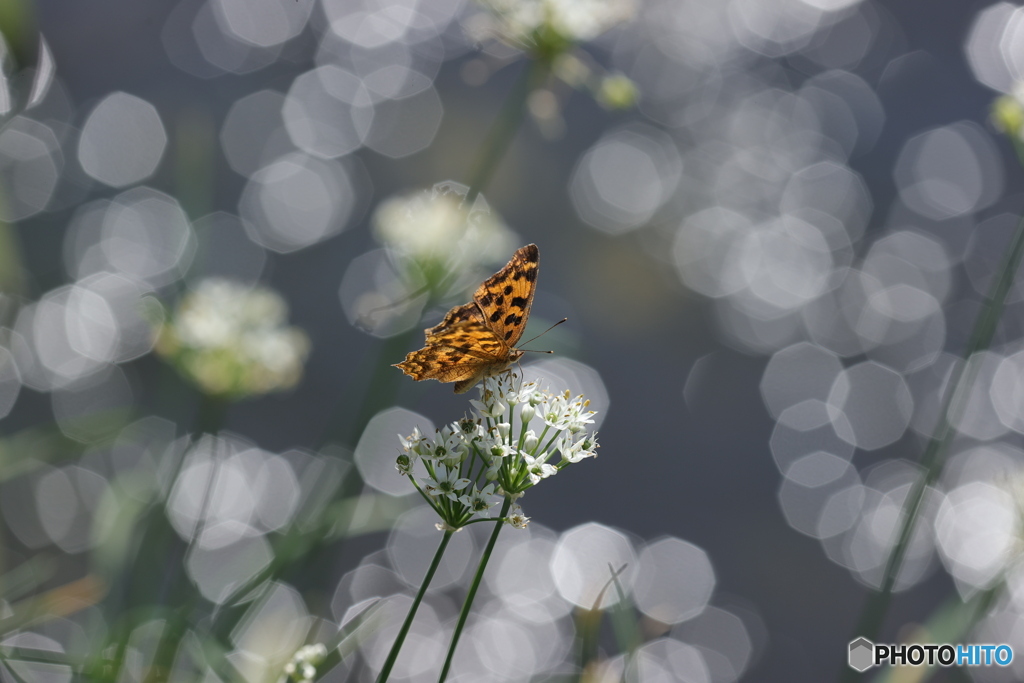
432	231
498	451
232	340
302	666
524	23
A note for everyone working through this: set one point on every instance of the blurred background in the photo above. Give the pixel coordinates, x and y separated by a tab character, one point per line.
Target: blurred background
770	223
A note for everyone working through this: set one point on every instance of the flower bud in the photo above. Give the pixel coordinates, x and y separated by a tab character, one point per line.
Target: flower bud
530	442
1008	115
617	91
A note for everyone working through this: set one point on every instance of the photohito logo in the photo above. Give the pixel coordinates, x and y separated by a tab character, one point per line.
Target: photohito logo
864	654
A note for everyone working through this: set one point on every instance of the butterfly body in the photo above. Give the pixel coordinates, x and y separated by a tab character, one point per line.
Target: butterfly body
477	339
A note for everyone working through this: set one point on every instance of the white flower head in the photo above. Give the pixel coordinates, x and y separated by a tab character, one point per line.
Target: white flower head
500	388
412	443
431	232
473	460
563	412
496	449
573	450
470	429
479	500
489	406
446	482
537	468
448	446
231	340
516	518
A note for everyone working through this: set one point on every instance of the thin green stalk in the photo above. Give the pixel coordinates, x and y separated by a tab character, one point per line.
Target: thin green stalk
291	552
193	167
347	635
154	534
504	129
400	638
18	30
951	623
468	603
588	624
383	384
624	623
933	459
177	625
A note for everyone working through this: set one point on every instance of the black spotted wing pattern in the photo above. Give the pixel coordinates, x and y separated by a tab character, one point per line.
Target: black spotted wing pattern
477	339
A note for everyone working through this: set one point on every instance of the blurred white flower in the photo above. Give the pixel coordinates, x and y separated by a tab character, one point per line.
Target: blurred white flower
538	23
435	240
232	340
302	666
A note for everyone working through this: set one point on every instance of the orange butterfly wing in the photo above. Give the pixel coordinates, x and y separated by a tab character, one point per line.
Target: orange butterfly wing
505	298
476	340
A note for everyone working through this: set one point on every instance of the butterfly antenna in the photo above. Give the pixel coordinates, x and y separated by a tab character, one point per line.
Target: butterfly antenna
542	334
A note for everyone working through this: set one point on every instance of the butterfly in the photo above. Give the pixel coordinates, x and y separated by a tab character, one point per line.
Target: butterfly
478	339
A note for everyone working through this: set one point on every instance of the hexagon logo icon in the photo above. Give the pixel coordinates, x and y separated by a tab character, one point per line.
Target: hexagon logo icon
862	654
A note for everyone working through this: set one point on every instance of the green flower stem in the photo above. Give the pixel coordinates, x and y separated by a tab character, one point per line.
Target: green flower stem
12	271
505	127
468	604
383	382
522	434
18	29
550	443
154	535
210	418
291	552
933	459
950	623
336	649
588	626
400	638
194	162
624	621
